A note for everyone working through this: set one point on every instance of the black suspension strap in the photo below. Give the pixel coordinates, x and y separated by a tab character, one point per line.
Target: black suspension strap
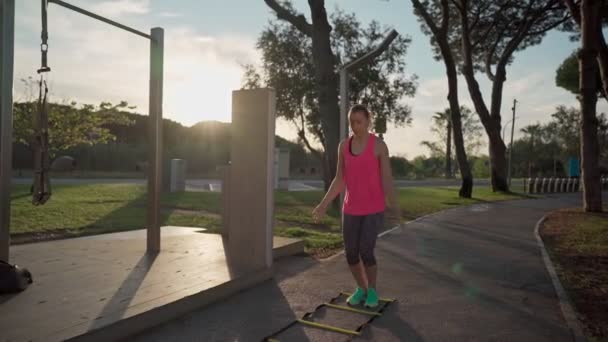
44	47
41	189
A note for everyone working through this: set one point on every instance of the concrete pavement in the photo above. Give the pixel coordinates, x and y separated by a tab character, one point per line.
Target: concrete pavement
469	273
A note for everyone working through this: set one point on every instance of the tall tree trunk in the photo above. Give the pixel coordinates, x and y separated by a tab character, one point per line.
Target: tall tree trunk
466	189
448	152
327	87
498	148
441	35
590	20
498	155
489	120
326	77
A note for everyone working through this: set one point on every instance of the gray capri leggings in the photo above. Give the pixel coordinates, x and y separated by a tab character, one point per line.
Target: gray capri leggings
360	233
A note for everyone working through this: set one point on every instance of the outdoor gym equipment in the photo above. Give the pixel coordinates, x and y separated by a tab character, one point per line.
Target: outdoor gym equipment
332	304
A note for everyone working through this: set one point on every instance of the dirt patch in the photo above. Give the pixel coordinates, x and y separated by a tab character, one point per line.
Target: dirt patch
582	263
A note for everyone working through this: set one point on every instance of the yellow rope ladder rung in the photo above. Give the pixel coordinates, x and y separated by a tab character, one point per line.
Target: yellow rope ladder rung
348	308
329	327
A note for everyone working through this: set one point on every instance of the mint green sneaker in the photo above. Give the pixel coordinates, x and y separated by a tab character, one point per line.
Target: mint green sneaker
357	297
371	301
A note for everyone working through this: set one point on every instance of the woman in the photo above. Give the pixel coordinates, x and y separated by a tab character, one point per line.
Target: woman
364	172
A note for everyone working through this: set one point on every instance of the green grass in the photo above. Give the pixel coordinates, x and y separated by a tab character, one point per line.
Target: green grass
416	202
313	239
207	201
90	209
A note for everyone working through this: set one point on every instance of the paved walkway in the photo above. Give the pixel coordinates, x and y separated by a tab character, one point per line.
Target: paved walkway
471	273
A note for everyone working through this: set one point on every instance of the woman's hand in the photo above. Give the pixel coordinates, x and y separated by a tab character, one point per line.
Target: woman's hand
319	212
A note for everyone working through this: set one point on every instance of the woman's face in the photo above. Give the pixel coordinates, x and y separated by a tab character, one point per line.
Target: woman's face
359	123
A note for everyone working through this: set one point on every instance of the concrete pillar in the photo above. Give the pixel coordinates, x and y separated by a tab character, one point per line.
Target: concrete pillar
178	175
251	183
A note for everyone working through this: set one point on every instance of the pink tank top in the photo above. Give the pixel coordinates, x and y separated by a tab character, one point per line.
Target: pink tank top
364	191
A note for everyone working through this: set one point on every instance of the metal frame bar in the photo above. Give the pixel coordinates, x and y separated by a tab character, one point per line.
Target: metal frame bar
155	139
156	37
98	17
7	38
155	147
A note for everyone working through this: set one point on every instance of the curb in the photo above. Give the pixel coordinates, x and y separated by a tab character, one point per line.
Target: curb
564	301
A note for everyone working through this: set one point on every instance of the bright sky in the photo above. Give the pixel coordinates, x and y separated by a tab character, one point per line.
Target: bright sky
205	46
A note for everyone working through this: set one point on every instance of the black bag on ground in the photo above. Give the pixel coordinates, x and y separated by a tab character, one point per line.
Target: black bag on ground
13	278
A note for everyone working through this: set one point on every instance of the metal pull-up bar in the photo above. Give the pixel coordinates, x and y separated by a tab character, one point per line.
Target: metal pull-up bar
156	38
98	17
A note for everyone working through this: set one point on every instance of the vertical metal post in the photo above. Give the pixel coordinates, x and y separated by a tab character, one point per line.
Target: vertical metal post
343	111
7	39
155	139
511	145
343	103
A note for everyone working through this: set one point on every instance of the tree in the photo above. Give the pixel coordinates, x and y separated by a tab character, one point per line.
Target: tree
300	60
590	17
567	77
326	80
574	7
545	147
401	167
481	166
442	123
565	130
487	35
590	26
436	19
427	167
442	129
69	124
539	150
